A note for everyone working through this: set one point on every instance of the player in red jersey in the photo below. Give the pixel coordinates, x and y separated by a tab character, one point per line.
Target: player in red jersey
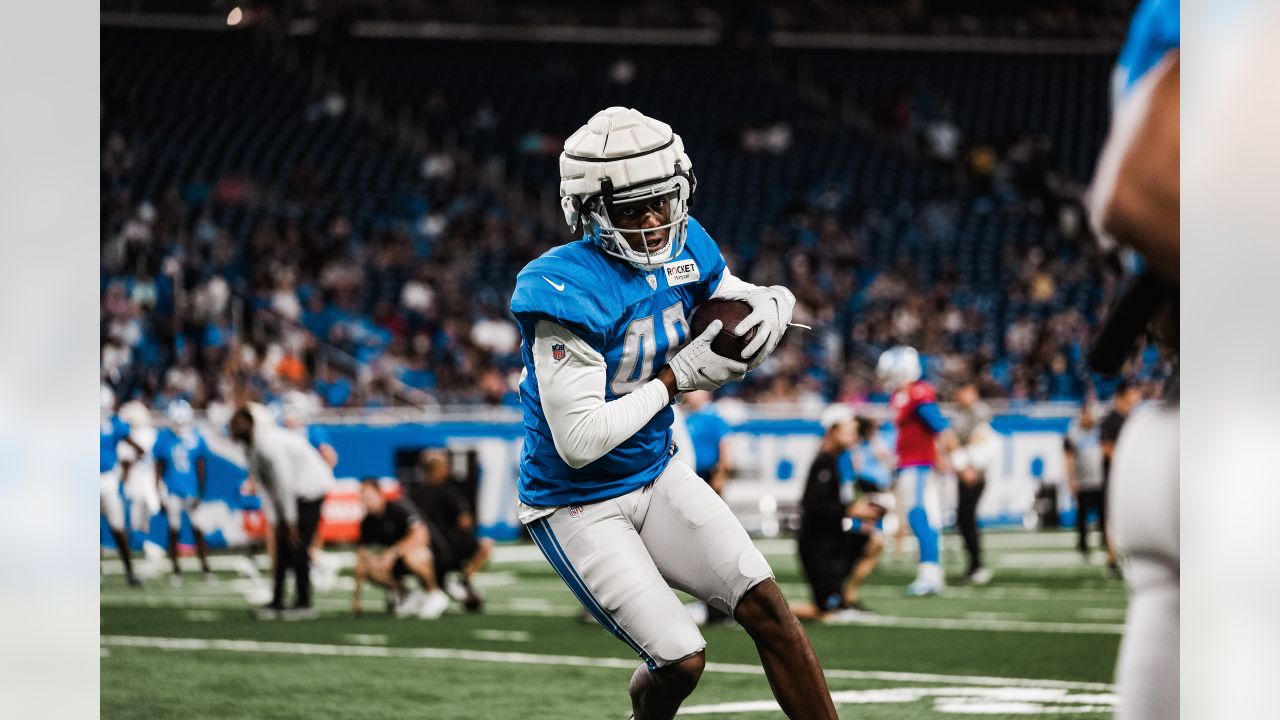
921	427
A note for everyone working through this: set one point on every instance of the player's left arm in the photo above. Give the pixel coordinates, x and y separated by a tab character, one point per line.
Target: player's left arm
1135	193
932	417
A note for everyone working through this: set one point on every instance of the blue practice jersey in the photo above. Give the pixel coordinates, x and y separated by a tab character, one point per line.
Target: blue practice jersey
706	429
317	436
635	319
179	453
113	431
1156	29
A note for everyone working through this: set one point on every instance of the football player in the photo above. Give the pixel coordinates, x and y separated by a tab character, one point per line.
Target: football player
180	453
141	487
1135	198
921	428
114	431
605	340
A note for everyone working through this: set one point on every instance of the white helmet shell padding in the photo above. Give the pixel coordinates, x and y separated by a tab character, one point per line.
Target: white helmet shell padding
898	366
621	155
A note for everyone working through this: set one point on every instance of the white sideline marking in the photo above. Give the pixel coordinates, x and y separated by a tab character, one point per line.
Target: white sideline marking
502	635
989	625
534	608
950	700
362	639
429	653
1093	613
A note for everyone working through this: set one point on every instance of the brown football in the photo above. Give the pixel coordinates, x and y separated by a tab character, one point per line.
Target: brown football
729	312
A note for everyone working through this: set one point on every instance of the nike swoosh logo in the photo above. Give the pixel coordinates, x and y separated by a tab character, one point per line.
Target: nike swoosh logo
557	287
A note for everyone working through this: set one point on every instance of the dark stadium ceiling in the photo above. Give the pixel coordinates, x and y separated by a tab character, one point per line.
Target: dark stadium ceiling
1095	20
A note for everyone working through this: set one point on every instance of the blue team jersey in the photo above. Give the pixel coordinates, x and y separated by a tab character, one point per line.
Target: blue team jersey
1156	29
317	436
113	430
179	453
635	319
706	429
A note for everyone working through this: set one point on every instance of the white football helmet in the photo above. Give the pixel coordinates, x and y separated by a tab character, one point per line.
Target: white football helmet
180	414
898	366
619	157
106	400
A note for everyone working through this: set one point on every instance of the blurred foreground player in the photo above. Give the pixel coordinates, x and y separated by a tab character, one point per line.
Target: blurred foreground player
113	432
292	480
604	325
397	528
1135	198
452	524
181	454
917	483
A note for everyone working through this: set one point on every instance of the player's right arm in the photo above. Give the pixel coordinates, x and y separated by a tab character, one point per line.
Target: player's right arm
1069	458
571	382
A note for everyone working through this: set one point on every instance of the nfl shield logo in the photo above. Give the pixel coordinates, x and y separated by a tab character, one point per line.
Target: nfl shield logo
575	511
557	351
653	282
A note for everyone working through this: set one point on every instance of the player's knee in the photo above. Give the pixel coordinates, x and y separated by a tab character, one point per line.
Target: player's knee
763	609
686	673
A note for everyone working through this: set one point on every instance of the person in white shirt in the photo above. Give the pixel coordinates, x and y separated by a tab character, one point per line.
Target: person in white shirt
292	479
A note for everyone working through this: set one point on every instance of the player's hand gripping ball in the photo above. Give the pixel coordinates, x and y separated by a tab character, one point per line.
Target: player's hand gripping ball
730	313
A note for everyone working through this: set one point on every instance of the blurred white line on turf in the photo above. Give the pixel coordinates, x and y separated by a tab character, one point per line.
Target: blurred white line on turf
427	653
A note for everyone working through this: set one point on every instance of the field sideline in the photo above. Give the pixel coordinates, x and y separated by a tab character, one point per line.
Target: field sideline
1040	640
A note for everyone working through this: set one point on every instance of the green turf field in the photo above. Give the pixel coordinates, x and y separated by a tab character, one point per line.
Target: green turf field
1041	639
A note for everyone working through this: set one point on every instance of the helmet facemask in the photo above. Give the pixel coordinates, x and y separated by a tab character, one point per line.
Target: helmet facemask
601	217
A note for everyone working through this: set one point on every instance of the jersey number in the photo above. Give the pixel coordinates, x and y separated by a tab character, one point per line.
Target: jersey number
637	366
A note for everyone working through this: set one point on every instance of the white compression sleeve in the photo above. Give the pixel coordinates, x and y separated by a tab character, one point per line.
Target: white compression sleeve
733	286
584	426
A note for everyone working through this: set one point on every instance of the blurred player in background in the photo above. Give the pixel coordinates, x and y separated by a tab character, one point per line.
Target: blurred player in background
921	428
292	479
113	432
181	454
297	409
708	432
978	447
870	461
604	323
1135	198
452	524
396	527
1082	449
1127	397
141	481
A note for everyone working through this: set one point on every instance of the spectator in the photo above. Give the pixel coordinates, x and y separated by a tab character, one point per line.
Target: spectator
448	513
397	528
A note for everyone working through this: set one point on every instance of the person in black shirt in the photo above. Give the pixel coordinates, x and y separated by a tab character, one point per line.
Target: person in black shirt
827	547
1126	399
397	528
452	524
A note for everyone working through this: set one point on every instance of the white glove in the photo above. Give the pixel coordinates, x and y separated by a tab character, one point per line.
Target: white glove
771	310
698	367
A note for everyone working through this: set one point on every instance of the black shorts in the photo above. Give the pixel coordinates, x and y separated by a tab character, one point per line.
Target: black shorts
400	570
453	550
827	561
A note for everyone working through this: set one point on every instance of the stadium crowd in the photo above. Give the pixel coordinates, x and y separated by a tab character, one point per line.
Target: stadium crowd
409	303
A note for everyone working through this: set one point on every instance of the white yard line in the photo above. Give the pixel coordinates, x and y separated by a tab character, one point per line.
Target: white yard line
539	609
429	653
948	700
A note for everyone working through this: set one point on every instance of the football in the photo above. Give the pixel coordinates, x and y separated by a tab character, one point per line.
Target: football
729	312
